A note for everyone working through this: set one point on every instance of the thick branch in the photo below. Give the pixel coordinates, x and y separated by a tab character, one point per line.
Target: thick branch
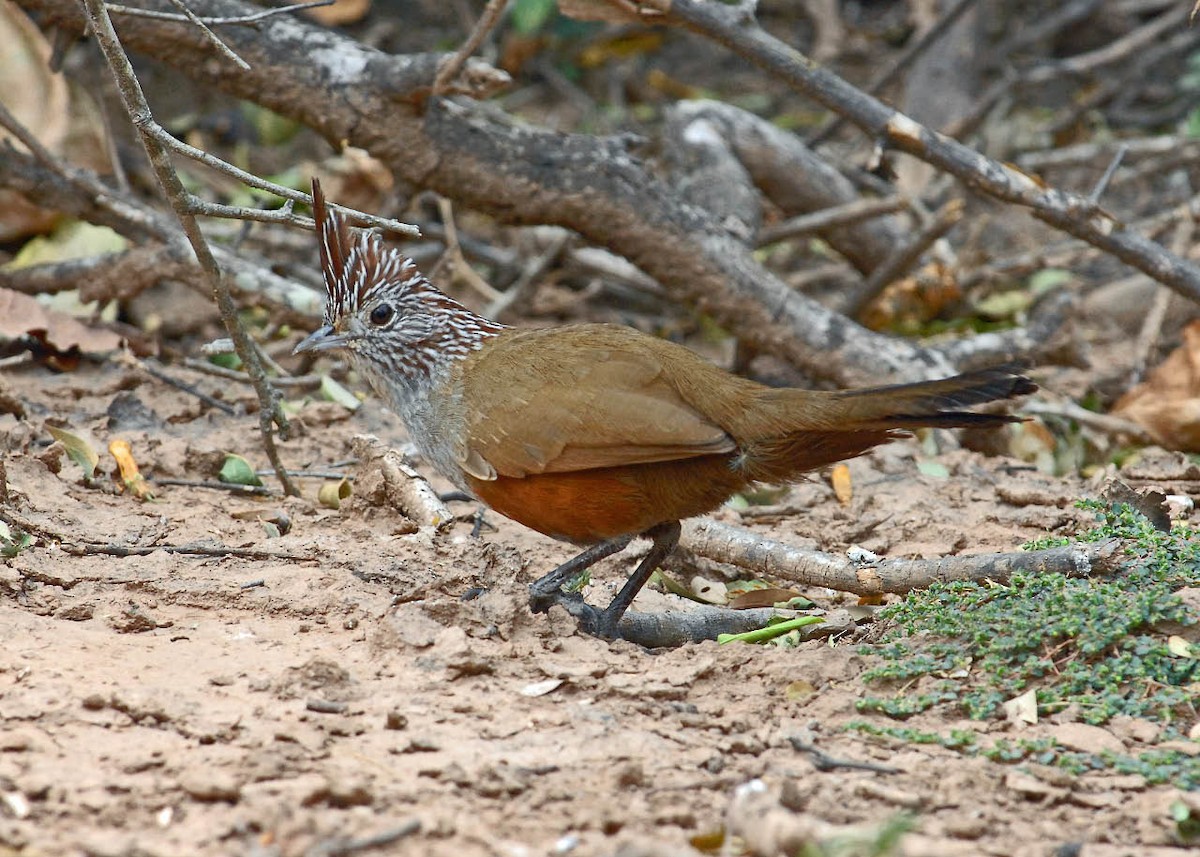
593	186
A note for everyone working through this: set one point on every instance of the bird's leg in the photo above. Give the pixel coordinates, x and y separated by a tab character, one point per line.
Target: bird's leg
664	537
546	591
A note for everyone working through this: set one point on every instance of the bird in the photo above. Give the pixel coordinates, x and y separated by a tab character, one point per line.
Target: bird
596	434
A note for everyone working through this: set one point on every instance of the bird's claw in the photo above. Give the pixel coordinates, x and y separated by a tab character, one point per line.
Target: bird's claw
597	623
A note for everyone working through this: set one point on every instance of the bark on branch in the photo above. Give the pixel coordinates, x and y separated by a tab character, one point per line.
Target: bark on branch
594	186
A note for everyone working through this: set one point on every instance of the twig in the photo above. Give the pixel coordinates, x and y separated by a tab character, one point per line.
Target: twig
166	378
1115	51
824	762
225	346
698	623
837	215
888	73
1102	184
270	414
1152	324
1106	423
453	64
347	847
134	12
771	558
517	293
112	276
213	39
458	262
904	257
232	488
93	549
402	485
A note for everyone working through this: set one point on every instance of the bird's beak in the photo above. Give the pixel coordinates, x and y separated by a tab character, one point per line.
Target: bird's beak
321	339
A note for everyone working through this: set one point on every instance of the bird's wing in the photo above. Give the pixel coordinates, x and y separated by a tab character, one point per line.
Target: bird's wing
569	404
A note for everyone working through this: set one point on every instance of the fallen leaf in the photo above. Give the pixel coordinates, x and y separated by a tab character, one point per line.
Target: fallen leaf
335	392
709	591
765	597
23	316
131	479
340	13
541	688
79	450
1167	403
843	489
331	494
1181	648
1023	708
237	471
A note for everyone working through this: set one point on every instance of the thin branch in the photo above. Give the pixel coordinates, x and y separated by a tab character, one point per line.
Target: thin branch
1104	181
167	378
827	218
134	12
213	39
889	72
453	64
904	257
270	414
774	559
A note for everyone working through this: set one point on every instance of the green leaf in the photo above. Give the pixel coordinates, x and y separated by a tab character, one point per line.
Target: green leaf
12	543
79	451
237	471
932	468
335	392
770	632
529	16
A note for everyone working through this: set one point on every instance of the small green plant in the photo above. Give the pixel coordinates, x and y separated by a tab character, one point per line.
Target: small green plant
1094	644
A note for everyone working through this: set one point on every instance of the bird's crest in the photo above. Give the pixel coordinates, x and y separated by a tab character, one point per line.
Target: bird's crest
355	268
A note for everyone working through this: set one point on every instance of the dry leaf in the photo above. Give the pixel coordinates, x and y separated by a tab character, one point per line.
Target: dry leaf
63	118
331	494
339	14
1167	403
80	451
843	488
22	315
1023	708
768	597
131	479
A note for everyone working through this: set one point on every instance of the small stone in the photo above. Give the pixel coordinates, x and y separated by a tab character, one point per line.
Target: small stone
631	775
210	785
967	826
221	680
76	613
94	702
18	741
1086	738
395	720
350	791
1031	787
1134	729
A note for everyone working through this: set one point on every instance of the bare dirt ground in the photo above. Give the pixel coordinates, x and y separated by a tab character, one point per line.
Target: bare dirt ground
300	704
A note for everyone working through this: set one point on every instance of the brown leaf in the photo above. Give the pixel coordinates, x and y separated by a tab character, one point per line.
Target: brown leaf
843	487
131	479
754	598
21	315
1167	403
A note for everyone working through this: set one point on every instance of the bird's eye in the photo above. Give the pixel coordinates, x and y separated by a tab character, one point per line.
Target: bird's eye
382	314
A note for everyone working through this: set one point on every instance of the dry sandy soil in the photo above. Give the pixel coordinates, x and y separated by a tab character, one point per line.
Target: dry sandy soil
344	688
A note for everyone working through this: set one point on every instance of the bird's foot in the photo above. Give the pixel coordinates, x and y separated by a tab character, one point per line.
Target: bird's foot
593	621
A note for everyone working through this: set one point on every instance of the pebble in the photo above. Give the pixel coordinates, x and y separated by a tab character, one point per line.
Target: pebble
210	785
1086	738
